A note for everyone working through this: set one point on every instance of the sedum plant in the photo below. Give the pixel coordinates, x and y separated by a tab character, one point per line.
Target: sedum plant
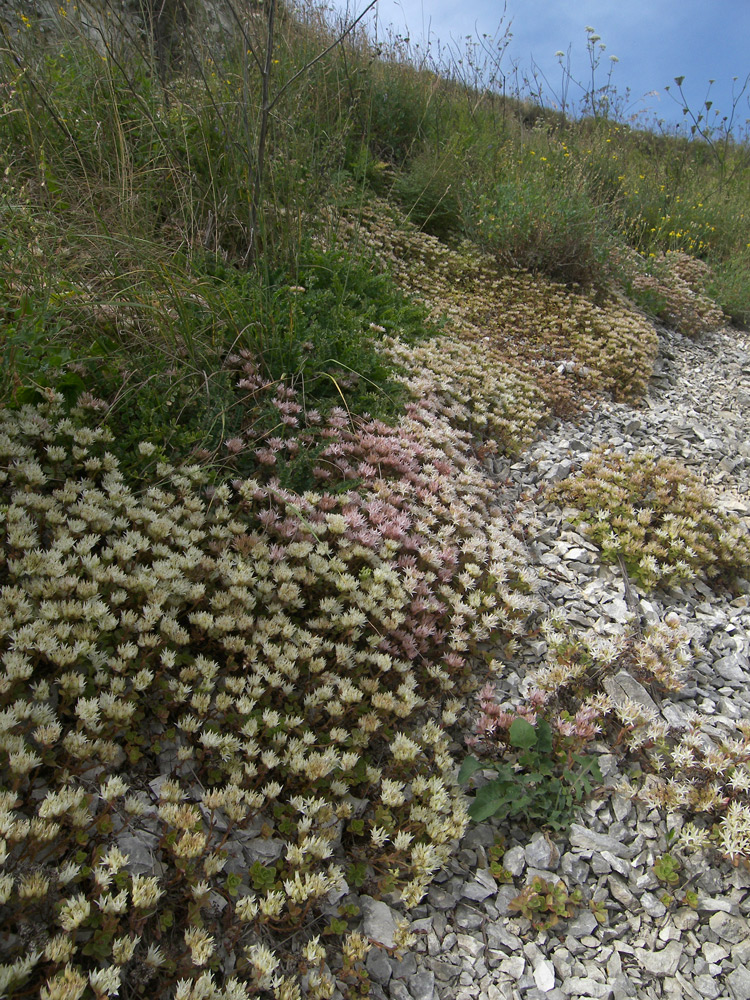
570	347
211	695
672	286
689	771
658	516
545	903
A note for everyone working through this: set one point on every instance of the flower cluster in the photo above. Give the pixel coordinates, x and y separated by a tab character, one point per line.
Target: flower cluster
689	769
658	516
569	346
568	690
200	686
706	777
672	285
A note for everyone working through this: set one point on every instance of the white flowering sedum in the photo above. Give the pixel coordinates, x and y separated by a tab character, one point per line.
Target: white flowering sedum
516	344
657	515
182	664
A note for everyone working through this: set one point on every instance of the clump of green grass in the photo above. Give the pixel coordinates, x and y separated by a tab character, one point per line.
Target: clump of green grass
532	225
162	350
730	287
430	193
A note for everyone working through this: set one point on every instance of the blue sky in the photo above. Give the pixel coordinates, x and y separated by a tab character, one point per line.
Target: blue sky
653	40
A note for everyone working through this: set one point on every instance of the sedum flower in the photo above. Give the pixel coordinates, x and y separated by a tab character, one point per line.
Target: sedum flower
355	947
154	956
378	836
33	886
105	982
201	944
17	973
314	951
392	792
246	908
59	949
66	985
73	912
263	960
113	788
403	748
123	949
145	891
6	888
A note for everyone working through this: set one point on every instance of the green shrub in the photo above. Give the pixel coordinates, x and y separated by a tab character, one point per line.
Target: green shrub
532	224
730	287
541	783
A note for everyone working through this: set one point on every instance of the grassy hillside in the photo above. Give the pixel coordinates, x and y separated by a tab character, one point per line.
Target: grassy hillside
270	294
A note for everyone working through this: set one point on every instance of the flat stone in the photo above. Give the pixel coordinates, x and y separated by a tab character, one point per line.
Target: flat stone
621	892
513	966
584	924
444	970
623	987
481	887
674	716
141	849
653	906
706	986
622	685
422	986
714	952
542	853
563	962
718	905
685	919
264	850
505	896
378	966
585	986
379	921
514	861
669	933
586	840
498	937
467	919
729	928
398	991
660	963
600	865
440	898
404	967
617	864
733	669
739	983
544	976
468	945
741	952
481	835
618	611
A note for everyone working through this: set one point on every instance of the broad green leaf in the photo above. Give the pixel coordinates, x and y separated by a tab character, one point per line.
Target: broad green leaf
469	766
522	734
487	803
544	736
